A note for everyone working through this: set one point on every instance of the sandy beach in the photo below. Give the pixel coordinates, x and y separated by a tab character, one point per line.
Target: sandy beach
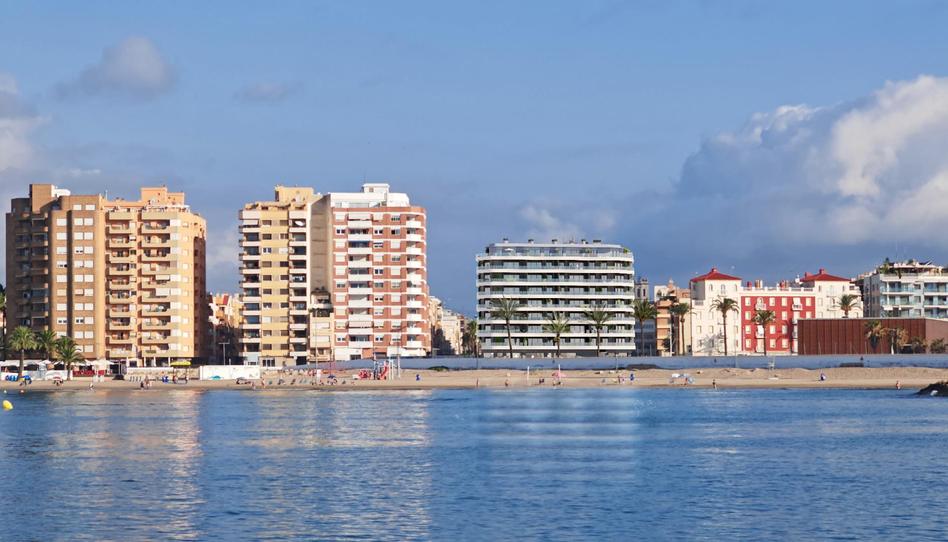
855	377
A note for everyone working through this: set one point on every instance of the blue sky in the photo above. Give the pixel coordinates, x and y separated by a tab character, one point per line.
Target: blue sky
661	125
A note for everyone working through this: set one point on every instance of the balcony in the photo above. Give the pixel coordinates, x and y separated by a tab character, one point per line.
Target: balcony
120	325
413	331
414	264
155	338
155	310
414	237
116	300
157	257
120	230
360	318
414	304
364	251
121	271
360	303
411	290
359	291
124	258
413	224
413	317
156	325
360	344
155	228
120	242
414	344
359	224
120	311
156	243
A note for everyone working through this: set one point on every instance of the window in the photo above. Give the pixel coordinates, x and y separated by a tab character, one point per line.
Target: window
747	302
62	222
378	271
773	343
90	207
783	302
61	236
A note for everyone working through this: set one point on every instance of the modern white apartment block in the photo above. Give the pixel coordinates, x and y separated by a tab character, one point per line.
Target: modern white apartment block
335	276
563	277
906	289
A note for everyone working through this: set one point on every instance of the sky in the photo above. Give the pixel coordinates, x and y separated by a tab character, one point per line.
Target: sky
764	138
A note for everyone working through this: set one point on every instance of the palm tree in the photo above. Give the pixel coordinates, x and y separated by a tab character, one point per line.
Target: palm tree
599	318
46	342
919	345
848	302
644	310
724	305
898	337
678	312
764	318
506	309
66	352
470	336
558	325
874	333
21	339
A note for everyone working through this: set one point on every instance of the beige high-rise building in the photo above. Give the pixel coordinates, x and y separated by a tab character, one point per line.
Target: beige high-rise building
124	279
335	276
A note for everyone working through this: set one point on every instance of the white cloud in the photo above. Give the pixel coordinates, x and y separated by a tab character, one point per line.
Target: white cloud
134	67
17	122
543	225
267	92
875	169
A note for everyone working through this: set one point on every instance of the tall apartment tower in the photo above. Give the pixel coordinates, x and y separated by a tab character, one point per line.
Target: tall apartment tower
124	279
567	278
335	276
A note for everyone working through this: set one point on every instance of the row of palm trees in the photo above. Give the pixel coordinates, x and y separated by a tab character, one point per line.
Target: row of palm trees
60	348
899	339
507	309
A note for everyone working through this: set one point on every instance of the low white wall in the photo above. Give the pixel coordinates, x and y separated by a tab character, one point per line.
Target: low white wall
229	372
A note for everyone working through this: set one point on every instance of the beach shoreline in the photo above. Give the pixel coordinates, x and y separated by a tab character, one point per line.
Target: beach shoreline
722	378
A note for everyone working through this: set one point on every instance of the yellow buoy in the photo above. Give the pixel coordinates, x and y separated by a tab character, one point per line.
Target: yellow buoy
7	405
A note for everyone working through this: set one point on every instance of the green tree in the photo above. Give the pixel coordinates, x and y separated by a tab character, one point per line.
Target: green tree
46	342
558	325
937	346
67	353
598	317
764	318
874	334
848	302
21	340
506	309
644	310
470	336
918	344
724	305
678	312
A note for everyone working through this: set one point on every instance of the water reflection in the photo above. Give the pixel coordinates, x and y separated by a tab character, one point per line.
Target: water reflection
473	465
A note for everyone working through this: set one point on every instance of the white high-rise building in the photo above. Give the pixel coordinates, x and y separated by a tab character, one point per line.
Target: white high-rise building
906	289
544	278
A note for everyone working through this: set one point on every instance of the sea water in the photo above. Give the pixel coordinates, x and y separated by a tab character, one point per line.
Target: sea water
564	464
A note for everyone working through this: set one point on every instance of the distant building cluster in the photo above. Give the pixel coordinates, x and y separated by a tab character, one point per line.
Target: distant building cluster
340	276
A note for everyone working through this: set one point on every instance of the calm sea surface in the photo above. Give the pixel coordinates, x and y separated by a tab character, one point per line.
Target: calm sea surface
604	464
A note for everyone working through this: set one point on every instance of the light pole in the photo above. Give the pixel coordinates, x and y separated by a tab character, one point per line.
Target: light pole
224	353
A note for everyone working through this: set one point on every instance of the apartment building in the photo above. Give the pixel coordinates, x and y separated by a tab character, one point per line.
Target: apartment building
811	296
124	279
906	289
335	276
224	327
667	327
447	329
563	277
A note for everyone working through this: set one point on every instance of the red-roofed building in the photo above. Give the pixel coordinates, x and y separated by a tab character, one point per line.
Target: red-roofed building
812	296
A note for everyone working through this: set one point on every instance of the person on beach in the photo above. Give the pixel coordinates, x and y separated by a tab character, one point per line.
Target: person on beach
898	384
714	384
822	376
